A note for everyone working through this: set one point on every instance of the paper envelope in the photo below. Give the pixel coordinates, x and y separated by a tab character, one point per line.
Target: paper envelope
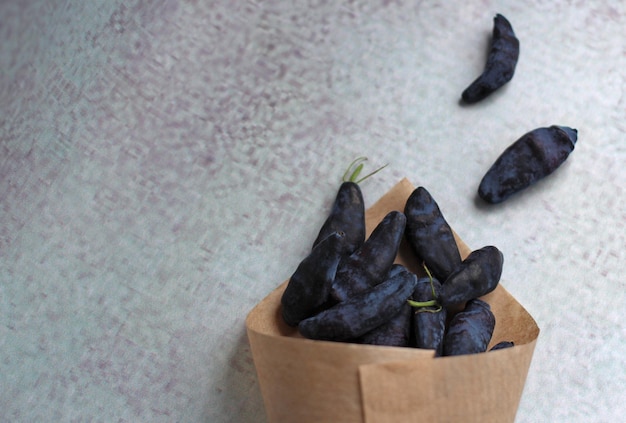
308	381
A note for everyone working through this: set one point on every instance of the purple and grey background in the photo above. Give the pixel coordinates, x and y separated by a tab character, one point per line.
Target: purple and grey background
164	165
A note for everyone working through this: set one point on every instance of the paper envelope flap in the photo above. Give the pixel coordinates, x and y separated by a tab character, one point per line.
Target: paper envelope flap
483	388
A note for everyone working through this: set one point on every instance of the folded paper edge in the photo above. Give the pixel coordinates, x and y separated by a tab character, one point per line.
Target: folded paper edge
420	391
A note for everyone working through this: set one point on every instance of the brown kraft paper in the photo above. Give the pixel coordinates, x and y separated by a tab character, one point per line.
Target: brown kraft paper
307	381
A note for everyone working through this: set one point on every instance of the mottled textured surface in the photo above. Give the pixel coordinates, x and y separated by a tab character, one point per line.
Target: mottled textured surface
164	165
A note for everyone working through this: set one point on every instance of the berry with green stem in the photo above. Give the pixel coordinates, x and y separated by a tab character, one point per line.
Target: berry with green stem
429	321
347	214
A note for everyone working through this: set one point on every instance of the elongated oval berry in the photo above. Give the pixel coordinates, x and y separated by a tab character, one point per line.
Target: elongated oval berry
478	275
397	331
362	312
532	157
501	62
348	216
429	324
309	286
470	330
369	265
429	235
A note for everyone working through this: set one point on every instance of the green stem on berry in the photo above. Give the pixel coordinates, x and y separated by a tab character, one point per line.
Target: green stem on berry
355	168
422	304
425	306
430	276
